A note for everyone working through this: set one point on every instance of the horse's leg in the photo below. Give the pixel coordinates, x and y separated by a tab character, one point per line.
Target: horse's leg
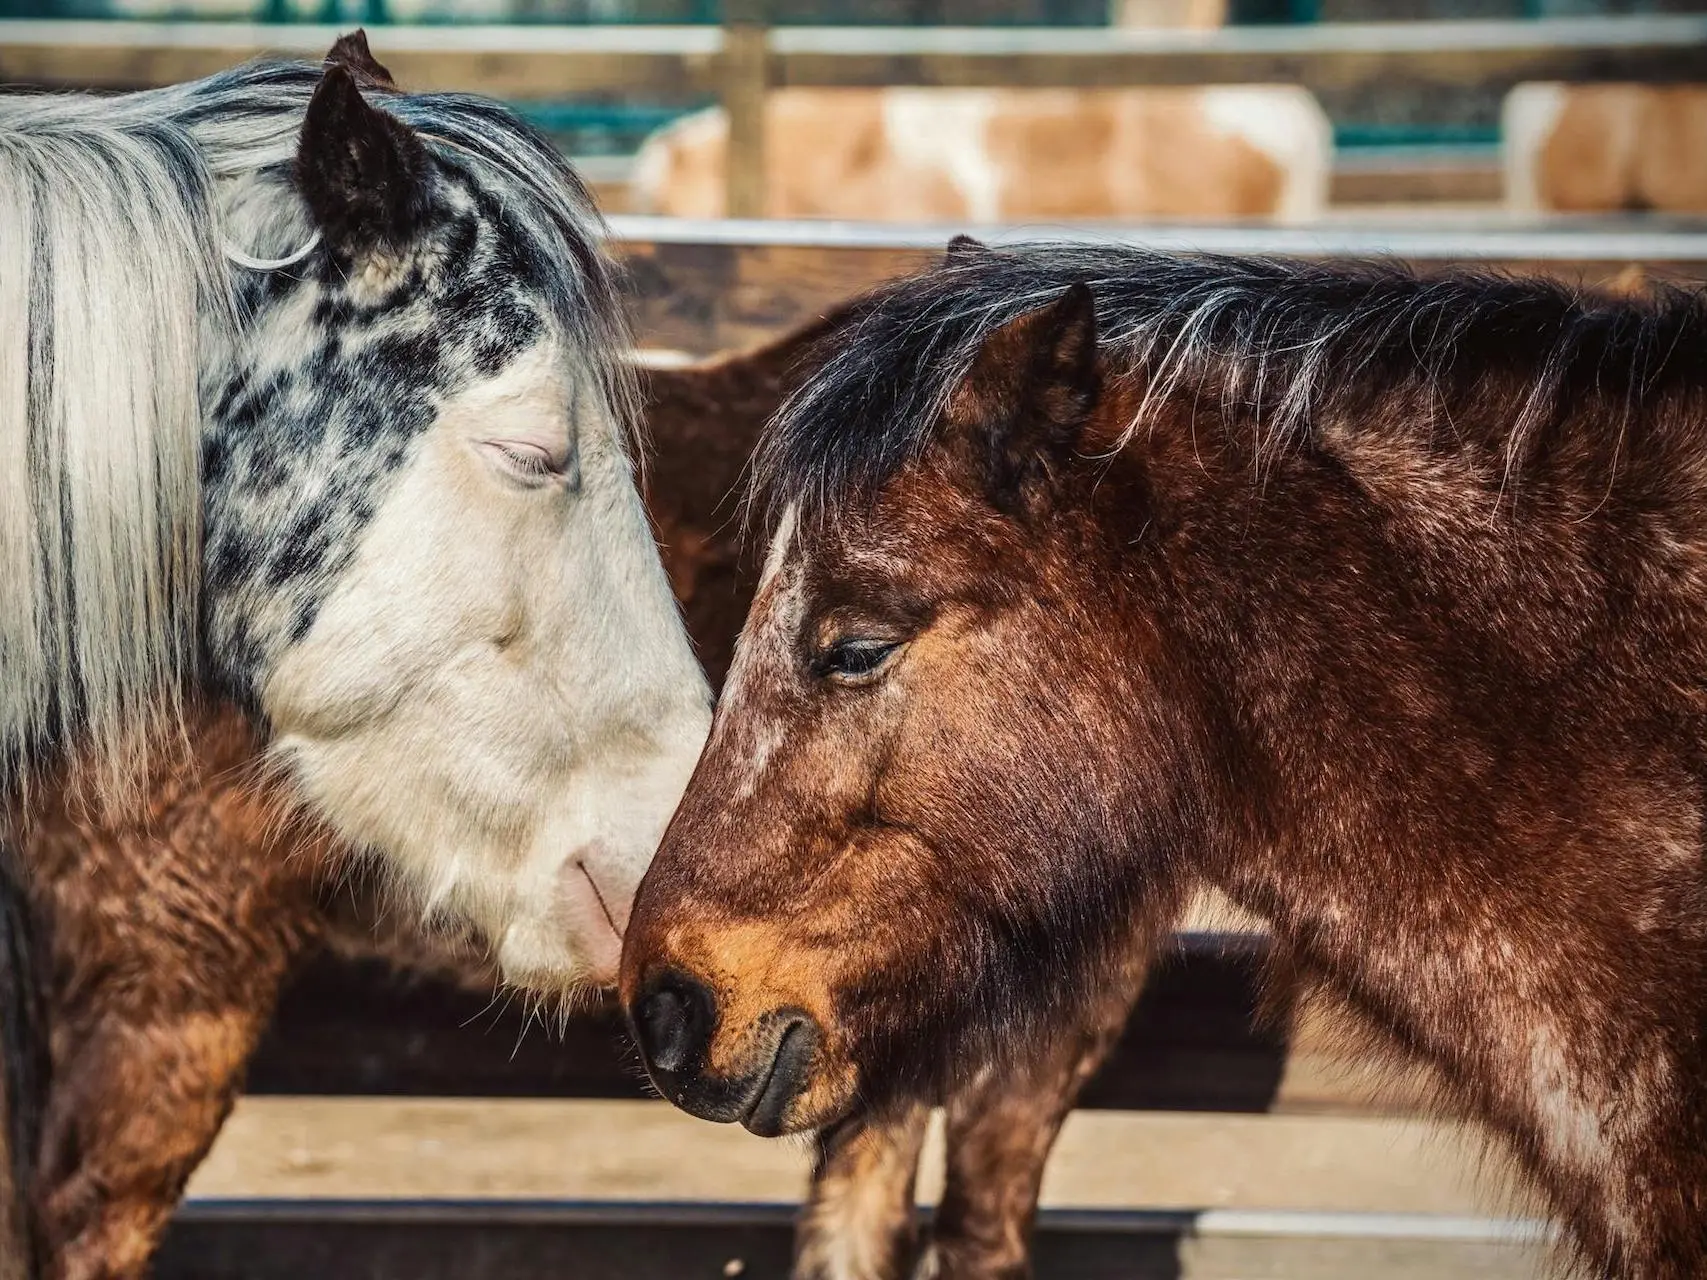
136	1103
170	930
1000	1131
859	1222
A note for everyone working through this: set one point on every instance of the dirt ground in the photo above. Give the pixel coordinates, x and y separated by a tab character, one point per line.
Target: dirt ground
413	1148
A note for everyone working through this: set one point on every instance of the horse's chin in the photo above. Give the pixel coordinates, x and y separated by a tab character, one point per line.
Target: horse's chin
540	955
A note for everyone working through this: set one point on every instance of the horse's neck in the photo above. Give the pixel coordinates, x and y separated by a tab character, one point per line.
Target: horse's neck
1468	782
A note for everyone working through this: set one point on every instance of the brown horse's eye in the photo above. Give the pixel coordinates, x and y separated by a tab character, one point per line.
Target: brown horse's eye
853	661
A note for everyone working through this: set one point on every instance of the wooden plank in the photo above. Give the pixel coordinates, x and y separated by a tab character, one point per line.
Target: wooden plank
743	82
710	297
1191	1045
345	1030
569	1149
706	286
670	63
476	1241
1403	176
471	1242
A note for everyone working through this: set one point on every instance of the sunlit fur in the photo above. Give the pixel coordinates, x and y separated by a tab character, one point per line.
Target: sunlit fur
1377	602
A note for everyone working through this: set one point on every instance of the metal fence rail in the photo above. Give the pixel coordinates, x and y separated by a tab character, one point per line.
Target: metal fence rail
715	285
740	63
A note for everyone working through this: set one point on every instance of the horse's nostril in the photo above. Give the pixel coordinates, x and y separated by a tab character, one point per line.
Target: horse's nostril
673	1023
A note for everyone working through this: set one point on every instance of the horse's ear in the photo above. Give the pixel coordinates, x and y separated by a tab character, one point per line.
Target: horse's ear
364	173
352	53
1030	390
964	249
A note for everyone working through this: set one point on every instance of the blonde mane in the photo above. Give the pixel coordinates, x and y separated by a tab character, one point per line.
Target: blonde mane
108	259
122	220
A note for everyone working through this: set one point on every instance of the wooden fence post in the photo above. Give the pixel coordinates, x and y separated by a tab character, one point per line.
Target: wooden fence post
743	80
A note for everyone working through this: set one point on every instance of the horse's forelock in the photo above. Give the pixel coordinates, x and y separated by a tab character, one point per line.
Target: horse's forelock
554	215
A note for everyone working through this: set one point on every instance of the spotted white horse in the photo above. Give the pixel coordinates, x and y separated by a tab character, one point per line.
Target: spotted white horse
312	399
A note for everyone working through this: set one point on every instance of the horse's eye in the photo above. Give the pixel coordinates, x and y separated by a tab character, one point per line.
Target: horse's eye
522	460
852	661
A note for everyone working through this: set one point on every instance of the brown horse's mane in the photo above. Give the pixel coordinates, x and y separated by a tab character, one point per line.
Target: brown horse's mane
1273	347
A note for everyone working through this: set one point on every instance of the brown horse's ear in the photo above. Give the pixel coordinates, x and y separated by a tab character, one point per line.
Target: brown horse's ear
352	53
1030	390
364	173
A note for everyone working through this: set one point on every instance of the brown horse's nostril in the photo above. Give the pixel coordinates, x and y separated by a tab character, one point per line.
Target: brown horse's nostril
673	1023
770	1060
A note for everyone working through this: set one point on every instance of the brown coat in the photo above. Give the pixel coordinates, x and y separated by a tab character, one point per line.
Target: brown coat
1378	603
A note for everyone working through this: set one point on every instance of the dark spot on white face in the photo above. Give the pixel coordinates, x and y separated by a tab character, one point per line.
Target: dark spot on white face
296	459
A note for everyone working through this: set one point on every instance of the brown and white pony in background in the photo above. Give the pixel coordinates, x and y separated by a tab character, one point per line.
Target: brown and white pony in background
1008	155
1377	602
1605	148
167	931
313	408
1014	155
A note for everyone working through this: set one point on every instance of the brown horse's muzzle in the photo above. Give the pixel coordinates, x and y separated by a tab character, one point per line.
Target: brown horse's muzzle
676	1020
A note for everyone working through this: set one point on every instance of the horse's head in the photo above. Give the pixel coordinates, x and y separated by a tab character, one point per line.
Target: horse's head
427	567
896	852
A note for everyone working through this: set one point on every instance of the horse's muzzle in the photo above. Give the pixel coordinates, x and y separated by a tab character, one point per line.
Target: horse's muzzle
675	1022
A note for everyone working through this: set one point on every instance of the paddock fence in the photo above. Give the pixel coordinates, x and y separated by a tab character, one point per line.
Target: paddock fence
707	286
738	63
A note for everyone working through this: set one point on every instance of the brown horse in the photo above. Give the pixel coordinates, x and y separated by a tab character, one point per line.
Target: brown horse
164	935
1378	602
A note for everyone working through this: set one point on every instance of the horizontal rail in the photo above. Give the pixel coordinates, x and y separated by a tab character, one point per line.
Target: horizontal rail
1482	239
1192	1044
671	63
427	1240
707	286
359	1030
1326	56
1217	1222
555	61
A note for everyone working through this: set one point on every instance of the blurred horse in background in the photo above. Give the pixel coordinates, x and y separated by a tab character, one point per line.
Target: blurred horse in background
1014	155
1605	148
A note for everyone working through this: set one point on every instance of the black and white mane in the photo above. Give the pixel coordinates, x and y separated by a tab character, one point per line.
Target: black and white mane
1275	345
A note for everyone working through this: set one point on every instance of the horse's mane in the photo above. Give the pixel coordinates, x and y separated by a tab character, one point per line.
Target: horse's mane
115	291
1274	345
